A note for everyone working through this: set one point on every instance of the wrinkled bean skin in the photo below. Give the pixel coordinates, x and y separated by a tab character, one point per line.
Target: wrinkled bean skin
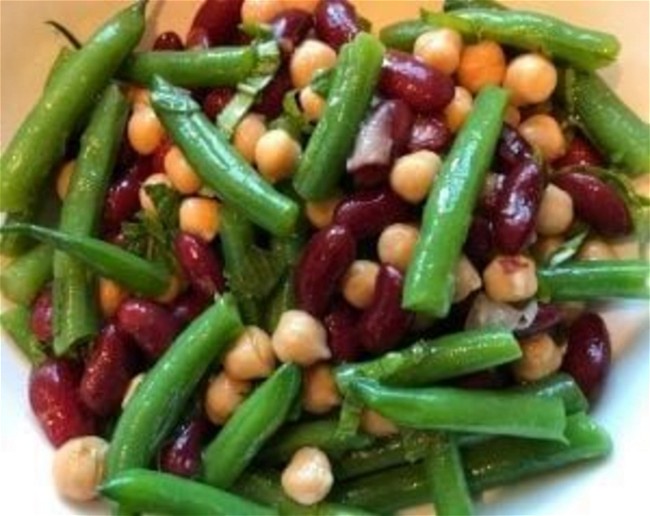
182	456
112	363
41	317
216	100
548	317
384	323
54	399
596	203
342	338
579	153
425	89
336	22
367	213
429	133
189	305
122	200
588	354
479	246
219	19
324	261
512	149
168	41
516	208
150	325
200	264
290	27
270	102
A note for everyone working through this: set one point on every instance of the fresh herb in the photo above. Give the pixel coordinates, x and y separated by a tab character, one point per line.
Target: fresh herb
568	249
293	120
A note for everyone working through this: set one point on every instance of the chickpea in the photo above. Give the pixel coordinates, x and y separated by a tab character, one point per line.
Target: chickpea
641	185
458	109
319	391
543	132
305	5
79	467
308	478
200	216
412	175
247	133
509	279
223	396
358	284
132	388
312	104
596	249
321	213
300	338
555	213
173	289
145	132
111	295
373	423
531	79
261	11
481	64
512	116
396	245
181	173
426	509
251	356
440	49
139	97
310	57
467	279
63	179
276	155
541	358
145	201
544	248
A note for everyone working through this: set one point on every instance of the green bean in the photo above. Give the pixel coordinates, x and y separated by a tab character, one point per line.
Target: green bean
75	315
40	141
426	362
617	131
218	164
446	477
402	35
562	386
583	48
160	399
161	493
16	322
591	280
23	279
459	410
448	210
355	77
455	5
252	424
110	261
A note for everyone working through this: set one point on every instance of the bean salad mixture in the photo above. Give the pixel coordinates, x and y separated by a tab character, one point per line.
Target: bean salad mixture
284	266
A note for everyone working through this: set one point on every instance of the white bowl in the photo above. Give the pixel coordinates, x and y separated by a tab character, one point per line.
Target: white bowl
612	486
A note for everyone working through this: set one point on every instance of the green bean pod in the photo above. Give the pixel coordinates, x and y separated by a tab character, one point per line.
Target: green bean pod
161	493
252	424
16	322
593	280
353	86
135	273
430	277
579	47
455	5
559	385
39	142
402	35
75	315
23	279
218	164
161	397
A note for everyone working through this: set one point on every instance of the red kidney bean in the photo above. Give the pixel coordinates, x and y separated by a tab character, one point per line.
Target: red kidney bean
384	323
336	22
169	40
326	257
182	456
429	133
197	38
200	264
488	379
512	150
112	363
491	192
479	245
189	305
596	202
219	19
158	157
517	205
290	27
216	100
342	337
579	153
126	155
548	316
122	199
588	354
41	317
54	398
368	212
149	324
425	89
270	103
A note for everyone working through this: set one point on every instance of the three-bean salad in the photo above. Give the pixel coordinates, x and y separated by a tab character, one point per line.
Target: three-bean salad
285	266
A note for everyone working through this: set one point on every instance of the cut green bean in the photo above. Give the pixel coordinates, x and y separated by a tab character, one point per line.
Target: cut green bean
582	48
562	386
593	280
355	77
252	424
23	279
75	311
16	322
107	260
430	277
402	35
455	5
218	164
459	410
161	493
